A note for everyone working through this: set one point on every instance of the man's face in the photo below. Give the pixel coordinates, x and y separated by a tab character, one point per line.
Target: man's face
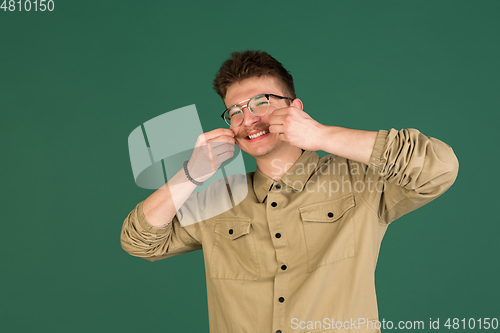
264	144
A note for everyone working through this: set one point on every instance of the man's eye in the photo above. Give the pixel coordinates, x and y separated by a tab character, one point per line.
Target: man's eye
233	113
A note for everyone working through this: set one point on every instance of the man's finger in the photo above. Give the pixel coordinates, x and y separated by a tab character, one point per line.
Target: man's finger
220	140
281	136
281	112
277	128
218	132
222	158
277	119
216	151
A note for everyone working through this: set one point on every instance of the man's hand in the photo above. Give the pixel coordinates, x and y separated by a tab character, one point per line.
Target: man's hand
298	128
210	151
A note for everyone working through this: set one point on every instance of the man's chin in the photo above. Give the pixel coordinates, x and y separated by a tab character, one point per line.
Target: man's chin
257	153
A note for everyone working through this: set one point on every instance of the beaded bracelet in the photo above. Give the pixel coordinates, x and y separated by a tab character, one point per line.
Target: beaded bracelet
189	177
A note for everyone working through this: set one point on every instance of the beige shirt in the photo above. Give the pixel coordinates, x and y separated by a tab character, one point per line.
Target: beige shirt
300	255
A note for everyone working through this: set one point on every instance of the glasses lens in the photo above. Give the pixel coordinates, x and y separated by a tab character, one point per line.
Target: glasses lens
234	116
259	105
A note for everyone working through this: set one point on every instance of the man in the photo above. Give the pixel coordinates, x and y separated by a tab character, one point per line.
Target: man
298	254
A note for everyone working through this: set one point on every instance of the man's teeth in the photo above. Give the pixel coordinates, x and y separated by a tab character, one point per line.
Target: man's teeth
256	135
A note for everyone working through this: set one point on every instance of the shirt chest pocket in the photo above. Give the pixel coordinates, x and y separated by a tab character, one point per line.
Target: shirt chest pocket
328	231
234	254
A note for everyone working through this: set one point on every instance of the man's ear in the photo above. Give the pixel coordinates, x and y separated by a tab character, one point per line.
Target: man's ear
297	103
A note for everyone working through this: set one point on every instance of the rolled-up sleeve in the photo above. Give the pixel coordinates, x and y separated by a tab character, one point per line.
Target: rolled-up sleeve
141	239
414	168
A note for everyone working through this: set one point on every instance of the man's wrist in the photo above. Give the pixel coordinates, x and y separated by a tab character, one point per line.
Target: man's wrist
188	176
326	137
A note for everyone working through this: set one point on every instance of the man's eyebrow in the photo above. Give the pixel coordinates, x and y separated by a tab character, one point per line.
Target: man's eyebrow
247	99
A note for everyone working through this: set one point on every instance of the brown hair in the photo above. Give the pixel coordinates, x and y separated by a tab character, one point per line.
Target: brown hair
248	64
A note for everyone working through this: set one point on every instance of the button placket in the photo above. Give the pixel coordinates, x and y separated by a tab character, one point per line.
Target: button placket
274	217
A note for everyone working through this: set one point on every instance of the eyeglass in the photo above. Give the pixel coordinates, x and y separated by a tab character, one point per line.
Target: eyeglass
258	105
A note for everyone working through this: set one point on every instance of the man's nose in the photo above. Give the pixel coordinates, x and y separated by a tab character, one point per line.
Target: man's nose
248	117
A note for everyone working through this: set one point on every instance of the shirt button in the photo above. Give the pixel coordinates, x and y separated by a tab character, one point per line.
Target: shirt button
281	299
278	235
274	204
230	231
330	214
278	186
283	267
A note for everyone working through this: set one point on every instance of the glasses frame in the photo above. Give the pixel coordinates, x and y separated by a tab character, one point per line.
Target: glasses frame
228	120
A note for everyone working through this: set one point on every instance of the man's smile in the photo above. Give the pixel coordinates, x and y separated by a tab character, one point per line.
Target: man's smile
254	135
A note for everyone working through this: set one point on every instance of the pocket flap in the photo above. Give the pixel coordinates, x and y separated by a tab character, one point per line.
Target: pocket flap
232	228
327	211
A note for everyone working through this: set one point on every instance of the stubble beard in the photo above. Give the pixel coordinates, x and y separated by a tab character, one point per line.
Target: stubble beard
272	149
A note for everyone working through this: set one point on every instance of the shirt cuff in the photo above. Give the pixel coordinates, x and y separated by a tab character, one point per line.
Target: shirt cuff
146	226
378	149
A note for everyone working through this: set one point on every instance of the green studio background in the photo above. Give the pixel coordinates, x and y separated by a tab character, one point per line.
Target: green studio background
76	81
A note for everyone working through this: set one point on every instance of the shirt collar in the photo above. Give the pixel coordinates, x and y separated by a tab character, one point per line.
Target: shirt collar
295	178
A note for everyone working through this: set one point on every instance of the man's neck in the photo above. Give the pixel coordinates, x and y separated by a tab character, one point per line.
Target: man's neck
276	164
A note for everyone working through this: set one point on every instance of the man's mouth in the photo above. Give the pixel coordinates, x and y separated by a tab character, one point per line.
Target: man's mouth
258	134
